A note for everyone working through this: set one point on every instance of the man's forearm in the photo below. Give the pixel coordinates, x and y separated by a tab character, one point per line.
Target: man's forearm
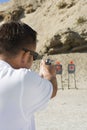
53	80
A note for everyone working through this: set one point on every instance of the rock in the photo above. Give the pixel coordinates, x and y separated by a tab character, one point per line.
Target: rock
29	9
81	48
71	38
12	14
55	41
8	17
58	50
1	16
63	42
17	13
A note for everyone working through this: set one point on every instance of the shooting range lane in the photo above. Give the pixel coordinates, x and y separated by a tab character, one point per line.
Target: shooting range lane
68	110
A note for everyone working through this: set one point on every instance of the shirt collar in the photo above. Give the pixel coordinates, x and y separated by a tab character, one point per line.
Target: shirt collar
4	63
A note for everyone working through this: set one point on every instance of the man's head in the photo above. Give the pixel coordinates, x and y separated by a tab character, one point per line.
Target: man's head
15	38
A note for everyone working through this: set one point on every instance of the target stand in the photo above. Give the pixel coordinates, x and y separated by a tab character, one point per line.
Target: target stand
59	72
71	70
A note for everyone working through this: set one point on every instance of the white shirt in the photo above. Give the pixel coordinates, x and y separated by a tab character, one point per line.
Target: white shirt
22	93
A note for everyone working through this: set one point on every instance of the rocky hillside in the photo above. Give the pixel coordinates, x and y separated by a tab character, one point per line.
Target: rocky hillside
61	24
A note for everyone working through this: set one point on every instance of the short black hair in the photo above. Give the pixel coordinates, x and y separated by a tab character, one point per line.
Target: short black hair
14	36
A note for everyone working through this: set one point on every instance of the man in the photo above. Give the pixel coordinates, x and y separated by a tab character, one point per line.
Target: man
22	91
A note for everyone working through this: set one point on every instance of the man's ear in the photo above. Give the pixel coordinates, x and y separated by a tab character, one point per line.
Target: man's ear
25	57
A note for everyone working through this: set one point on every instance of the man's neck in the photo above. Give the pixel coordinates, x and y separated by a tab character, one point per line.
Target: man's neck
11	61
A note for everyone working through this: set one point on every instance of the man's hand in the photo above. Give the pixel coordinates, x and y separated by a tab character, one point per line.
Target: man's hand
49	72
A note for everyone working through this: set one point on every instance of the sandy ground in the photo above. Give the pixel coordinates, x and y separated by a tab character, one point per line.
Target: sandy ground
68	110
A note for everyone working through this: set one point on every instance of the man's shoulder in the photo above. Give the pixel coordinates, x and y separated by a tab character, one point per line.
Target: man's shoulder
25	73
